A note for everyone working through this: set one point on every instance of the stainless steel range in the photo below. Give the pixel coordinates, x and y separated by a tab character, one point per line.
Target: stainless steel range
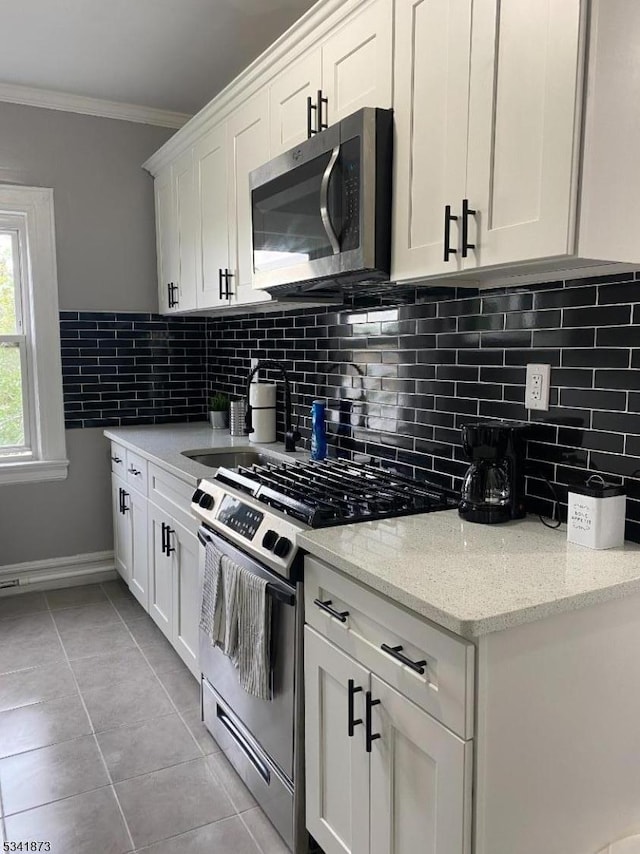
252	514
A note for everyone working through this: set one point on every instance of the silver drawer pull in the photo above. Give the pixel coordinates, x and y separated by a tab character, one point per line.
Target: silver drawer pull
396	652
325	606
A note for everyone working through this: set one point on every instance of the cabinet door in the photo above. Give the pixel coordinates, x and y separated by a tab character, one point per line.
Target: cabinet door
337	766
420	780
121	529
210	164
288	101
431	118
357	63
160	574
139	565
186	227
165	236
187	595
523	116
248	141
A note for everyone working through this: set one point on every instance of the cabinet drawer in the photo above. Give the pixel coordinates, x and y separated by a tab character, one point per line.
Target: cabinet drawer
137	472
172	495
444	689
118	460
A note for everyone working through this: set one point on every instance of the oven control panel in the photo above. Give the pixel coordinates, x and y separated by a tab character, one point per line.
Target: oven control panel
238	516
257	529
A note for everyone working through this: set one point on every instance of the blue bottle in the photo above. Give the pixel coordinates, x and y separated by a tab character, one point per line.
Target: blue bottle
318	431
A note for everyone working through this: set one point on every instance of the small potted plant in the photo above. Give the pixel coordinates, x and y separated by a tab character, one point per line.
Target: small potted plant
219	410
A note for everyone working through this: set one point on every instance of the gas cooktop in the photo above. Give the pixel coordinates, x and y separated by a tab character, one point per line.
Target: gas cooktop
336	492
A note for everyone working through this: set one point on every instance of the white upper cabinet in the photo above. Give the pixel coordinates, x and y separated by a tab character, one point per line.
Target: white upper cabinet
431	117
523	109
165	237
212	240
288	94
487	98
248	148
357	66
185	205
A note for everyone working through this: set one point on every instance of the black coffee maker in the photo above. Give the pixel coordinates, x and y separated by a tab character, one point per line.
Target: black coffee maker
493	487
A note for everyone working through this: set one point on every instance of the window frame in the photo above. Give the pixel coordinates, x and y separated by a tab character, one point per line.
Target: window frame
29	211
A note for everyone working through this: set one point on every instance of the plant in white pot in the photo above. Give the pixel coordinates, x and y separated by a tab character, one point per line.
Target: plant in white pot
219	410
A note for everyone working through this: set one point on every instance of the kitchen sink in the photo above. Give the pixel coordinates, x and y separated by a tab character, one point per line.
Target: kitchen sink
230	458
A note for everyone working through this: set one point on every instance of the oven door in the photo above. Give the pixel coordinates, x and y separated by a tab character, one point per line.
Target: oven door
271	724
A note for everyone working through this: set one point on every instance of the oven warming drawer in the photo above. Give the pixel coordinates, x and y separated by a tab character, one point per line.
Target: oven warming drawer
270	789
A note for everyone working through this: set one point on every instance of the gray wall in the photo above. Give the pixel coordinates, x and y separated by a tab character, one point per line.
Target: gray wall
106	262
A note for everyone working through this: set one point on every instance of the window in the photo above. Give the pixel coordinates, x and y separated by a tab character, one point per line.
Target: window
31	415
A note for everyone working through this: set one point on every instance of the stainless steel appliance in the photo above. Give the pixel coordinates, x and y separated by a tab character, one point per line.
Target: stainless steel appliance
493	487
321	212
252	514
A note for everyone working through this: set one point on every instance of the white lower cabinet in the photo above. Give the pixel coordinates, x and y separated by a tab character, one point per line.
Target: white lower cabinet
400	783
337	775
174	584
130	538
420	779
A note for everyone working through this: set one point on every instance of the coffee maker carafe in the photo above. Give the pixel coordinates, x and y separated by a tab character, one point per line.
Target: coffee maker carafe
493	487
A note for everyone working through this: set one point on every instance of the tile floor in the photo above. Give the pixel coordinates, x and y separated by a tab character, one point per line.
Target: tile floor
101	746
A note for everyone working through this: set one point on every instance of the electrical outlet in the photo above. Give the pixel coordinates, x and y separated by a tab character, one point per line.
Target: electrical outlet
537	389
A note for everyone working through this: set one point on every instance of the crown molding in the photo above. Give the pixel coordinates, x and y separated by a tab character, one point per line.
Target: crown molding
50	100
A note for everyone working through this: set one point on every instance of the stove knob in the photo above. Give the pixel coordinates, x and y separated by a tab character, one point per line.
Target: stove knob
206	501
197	495
269	540
282	547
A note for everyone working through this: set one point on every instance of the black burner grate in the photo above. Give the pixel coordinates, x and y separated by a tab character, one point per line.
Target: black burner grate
335	492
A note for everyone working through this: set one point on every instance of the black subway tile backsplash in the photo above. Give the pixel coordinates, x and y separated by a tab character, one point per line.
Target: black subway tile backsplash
401	373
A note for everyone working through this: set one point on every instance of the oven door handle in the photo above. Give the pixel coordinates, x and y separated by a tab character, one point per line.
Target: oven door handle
281	594
324	201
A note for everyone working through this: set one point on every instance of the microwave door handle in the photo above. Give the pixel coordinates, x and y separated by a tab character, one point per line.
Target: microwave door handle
324	201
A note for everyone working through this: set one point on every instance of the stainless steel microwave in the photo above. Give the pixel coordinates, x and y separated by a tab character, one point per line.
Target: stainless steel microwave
321	212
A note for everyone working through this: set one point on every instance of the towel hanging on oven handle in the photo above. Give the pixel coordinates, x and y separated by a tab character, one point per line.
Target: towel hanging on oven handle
272	589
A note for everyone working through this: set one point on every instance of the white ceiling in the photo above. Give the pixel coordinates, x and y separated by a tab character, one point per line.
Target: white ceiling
167	54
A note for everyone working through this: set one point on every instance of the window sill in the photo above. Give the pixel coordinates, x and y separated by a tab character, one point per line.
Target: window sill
33	471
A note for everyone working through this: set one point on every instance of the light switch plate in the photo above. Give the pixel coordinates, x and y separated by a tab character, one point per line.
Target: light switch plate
537	389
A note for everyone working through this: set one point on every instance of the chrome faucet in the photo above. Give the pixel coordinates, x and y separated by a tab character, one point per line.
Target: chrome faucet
291	433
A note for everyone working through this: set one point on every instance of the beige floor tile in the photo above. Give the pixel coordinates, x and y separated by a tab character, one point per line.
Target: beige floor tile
169	802
96	640
35	685
22	603
228	836
39	776
86	616
128	702
71	597
90	823
100	670
30	727
140	748
182	687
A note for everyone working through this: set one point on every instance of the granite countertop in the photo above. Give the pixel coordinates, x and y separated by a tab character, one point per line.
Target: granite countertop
163	444
475	579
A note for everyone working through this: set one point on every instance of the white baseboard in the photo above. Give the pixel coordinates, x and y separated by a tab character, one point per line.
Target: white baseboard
57	572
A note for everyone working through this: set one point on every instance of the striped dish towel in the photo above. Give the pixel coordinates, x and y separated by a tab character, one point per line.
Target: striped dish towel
253	653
